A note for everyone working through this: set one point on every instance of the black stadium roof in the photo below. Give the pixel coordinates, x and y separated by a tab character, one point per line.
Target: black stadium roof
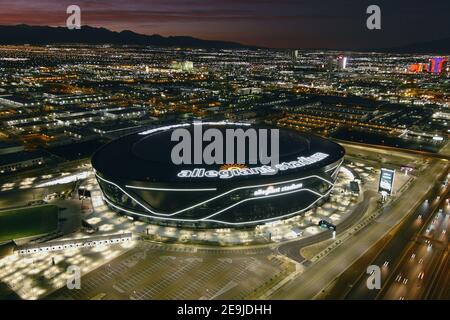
146	156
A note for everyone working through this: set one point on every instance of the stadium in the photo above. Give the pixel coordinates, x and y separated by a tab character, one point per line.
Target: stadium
139	179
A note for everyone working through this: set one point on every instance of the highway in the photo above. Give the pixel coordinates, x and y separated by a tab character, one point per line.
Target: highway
443	154
390	251
416	261
441	286
327	270
416	273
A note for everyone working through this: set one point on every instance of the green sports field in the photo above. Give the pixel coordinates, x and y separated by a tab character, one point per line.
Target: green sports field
27	222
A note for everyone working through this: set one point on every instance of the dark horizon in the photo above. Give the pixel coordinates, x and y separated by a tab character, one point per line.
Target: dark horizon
277	24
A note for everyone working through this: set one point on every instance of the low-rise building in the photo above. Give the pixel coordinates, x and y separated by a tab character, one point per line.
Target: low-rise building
21	160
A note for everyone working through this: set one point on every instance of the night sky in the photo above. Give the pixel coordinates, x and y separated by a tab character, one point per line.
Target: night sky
271	23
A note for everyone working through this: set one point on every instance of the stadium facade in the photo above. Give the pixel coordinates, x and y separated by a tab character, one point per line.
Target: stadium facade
138	179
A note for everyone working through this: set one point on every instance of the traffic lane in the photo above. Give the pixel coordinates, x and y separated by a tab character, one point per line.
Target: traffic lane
418	264
391	253
435	248
437	230
413	274
441	287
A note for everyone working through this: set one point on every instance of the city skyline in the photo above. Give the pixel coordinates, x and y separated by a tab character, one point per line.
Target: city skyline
283	150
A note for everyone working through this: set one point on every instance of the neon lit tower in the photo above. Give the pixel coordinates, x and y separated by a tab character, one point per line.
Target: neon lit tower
342	62
437	64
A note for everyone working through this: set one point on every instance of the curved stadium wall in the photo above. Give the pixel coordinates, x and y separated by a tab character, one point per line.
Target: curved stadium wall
138	179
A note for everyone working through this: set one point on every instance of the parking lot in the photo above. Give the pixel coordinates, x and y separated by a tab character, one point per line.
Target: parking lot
152	271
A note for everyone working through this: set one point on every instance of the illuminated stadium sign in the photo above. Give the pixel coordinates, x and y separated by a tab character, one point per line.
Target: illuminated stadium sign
386	181
273	190
263	170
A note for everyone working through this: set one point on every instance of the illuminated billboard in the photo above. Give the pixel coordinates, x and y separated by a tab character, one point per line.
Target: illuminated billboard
386	181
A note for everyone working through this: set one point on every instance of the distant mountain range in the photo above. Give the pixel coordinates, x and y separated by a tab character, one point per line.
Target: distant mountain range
41	35
439	47
436	46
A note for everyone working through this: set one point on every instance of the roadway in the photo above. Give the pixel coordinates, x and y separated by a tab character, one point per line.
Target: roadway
388	254
441	287
415	275
292	249
327	270
443	154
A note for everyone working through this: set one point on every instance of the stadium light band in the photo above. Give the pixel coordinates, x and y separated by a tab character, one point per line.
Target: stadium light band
336	166
183	125
211	199
202	219
150	131
223	222
261	197
220	123
335	172
276	218
214	198
168	189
